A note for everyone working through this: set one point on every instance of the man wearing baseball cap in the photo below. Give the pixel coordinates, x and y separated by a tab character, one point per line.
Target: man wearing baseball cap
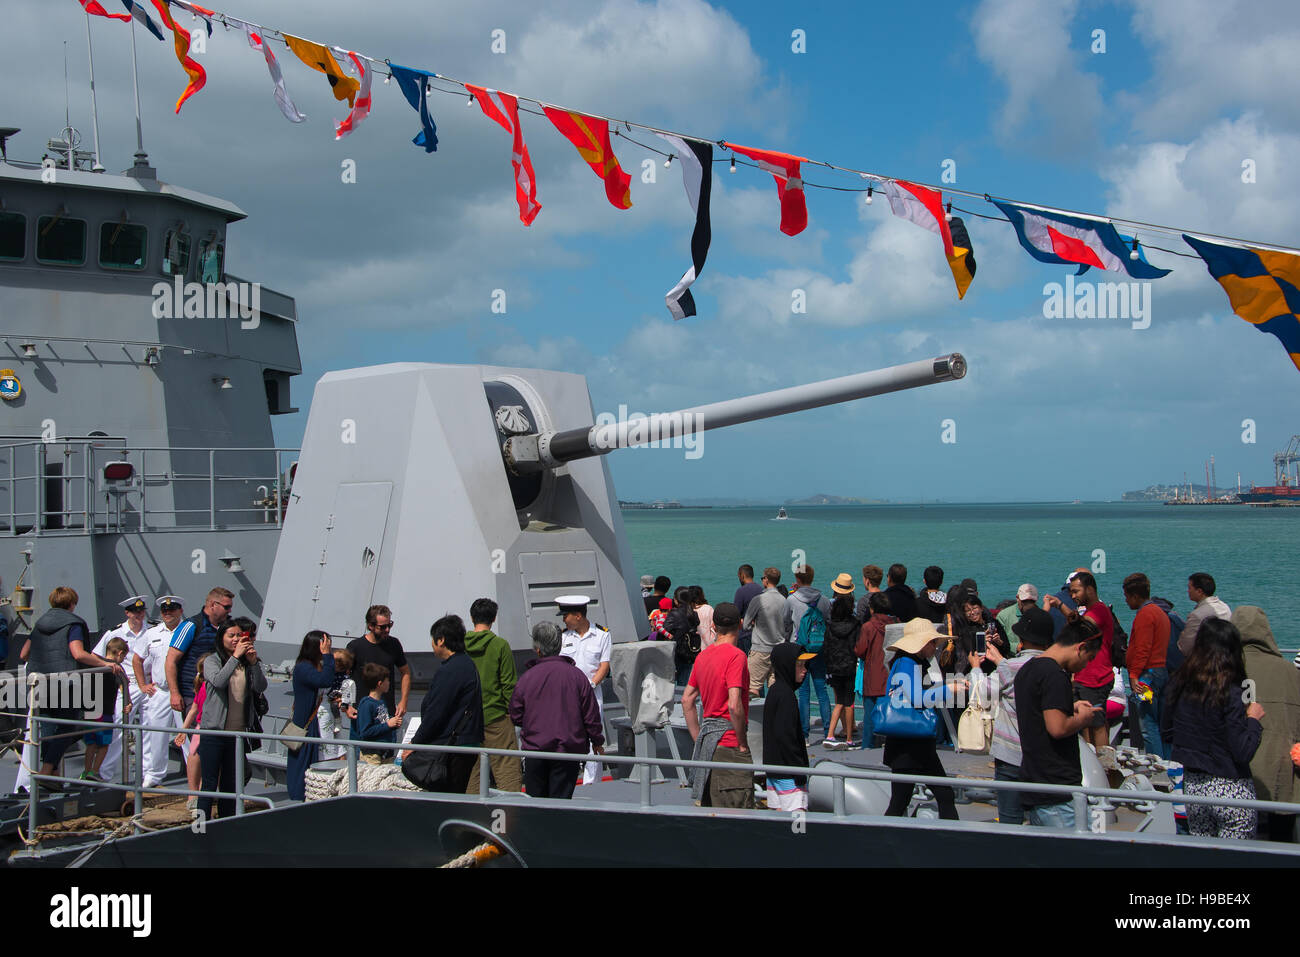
719	682
589	647
1026	598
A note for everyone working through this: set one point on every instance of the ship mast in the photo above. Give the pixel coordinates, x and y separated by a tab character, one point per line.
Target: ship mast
94	110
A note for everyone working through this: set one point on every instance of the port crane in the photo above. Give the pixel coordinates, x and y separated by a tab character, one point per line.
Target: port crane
1282	461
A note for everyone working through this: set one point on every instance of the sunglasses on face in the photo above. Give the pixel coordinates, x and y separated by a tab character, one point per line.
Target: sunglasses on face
227	607
170	607
384	627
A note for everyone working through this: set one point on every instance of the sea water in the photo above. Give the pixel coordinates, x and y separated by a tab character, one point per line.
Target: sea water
1247	550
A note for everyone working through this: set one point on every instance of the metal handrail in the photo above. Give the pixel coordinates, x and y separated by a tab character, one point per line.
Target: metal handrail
1079	794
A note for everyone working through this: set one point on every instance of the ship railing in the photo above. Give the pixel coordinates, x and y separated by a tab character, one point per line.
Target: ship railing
73	495
1081	797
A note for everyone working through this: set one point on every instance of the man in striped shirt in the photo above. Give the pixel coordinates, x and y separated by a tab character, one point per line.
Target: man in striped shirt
193	638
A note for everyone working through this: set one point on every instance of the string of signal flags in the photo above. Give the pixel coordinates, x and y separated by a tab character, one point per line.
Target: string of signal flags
1262	281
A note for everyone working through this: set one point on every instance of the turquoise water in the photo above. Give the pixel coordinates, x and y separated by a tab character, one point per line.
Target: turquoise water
1247	550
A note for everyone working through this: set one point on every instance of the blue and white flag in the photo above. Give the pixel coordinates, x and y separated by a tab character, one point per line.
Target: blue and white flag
1053	237
138	13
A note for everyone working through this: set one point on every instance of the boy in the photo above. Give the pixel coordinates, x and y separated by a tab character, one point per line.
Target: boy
372	722
1050	718
97	742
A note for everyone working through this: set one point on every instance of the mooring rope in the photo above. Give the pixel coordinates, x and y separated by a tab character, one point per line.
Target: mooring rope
475	856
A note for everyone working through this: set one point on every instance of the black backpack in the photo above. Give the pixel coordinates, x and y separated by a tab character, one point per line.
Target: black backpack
684	626
1119	642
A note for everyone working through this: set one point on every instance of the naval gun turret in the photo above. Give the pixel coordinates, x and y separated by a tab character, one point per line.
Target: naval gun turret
414	492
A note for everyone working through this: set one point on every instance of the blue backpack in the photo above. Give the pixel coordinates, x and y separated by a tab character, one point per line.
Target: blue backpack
812	629
1173	657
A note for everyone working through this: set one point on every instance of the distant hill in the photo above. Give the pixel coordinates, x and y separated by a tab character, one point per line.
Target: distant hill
1162	493
835	500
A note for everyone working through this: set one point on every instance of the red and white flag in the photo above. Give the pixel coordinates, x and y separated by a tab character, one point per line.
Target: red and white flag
789	184
361	106
94	8
282	97
919	205
503	109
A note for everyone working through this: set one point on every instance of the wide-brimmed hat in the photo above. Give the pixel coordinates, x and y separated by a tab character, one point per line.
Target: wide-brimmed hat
917	633
843	584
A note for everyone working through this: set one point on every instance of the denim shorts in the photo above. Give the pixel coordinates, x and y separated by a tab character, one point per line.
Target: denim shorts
1051	815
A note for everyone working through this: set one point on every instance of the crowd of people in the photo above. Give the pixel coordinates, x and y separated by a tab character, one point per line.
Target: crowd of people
203	673
1209	691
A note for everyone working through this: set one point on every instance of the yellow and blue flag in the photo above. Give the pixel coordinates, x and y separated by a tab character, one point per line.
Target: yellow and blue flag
1263	286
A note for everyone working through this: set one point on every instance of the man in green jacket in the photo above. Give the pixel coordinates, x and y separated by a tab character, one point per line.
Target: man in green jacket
496	671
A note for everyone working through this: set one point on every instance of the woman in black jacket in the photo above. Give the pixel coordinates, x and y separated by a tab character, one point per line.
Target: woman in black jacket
683	624
841	664
1213	732
783	741
452	709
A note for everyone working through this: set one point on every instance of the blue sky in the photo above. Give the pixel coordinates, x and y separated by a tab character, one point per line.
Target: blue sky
403	263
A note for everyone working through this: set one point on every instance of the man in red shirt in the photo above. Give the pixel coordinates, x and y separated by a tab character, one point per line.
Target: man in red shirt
1094	682
1148	644
719	682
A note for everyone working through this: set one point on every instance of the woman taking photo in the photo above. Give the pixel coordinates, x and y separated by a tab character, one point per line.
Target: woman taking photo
234	679
1212	732
908	727
313	673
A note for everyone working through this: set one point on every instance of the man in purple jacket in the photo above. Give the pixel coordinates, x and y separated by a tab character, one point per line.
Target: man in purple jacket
555	709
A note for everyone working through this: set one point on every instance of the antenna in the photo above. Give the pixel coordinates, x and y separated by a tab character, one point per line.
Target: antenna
141	157
94	110
67	105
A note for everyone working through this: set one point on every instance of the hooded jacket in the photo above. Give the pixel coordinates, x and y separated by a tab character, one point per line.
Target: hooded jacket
496	671
1277	688
50	636
783	741
803	598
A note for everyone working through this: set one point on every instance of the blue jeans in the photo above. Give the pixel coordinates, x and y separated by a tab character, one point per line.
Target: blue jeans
1052	815
1010	810
868	724
1149	712
816	679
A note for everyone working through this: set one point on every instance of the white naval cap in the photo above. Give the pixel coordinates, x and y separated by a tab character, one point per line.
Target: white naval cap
168	600
134	603
572	601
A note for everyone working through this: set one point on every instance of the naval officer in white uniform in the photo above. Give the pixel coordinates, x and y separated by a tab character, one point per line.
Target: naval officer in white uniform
149	666
589	647
130	631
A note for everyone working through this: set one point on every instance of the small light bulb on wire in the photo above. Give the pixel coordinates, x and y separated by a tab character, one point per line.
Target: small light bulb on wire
1134	253
733	164
947	213
470	102
869	191
669	161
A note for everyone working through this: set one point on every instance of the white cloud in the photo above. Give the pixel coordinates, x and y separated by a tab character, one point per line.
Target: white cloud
1216	55
1051	102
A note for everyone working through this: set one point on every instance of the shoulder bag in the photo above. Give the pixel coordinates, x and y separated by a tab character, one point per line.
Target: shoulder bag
895	715
428	770
975	728
292	730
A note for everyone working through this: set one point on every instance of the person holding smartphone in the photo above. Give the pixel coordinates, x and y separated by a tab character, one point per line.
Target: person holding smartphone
313	674
1050	719
233	678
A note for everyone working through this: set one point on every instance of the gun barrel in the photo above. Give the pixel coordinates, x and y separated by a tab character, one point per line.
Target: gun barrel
553	449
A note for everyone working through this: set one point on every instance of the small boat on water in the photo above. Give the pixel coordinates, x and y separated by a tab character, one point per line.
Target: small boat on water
780	514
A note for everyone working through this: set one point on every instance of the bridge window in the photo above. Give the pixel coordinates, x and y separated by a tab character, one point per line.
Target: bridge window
176	253
212	261
13	236
61	241
122	245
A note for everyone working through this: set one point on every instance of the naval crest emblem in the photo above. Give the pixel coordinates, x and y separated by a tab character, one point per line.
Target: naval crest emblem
10	387
511	420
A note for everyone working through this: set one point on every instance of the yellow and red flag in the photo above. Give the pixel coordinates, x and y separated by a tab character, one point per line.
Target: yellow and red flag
591	137
198	76
320	59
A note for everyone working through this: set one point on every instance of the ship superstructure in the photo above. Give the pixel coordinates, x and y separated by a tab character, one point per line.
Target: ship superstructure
138	381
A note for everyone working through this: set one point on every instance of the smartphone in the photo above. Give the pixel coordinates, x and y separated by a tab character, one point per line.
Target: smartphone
980	642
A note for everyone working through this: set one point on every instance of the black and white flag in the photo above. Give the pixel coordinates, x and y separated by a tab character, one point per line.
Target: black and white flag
696	160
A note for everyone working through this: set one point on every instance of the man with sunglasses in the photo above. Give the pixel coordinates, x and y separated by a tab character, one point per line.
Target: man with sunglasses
192	639
379	646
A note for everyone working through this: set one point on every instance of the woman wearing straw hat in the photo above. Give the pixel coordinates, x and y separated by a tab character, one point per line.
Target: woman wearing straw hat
914	755
840	661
